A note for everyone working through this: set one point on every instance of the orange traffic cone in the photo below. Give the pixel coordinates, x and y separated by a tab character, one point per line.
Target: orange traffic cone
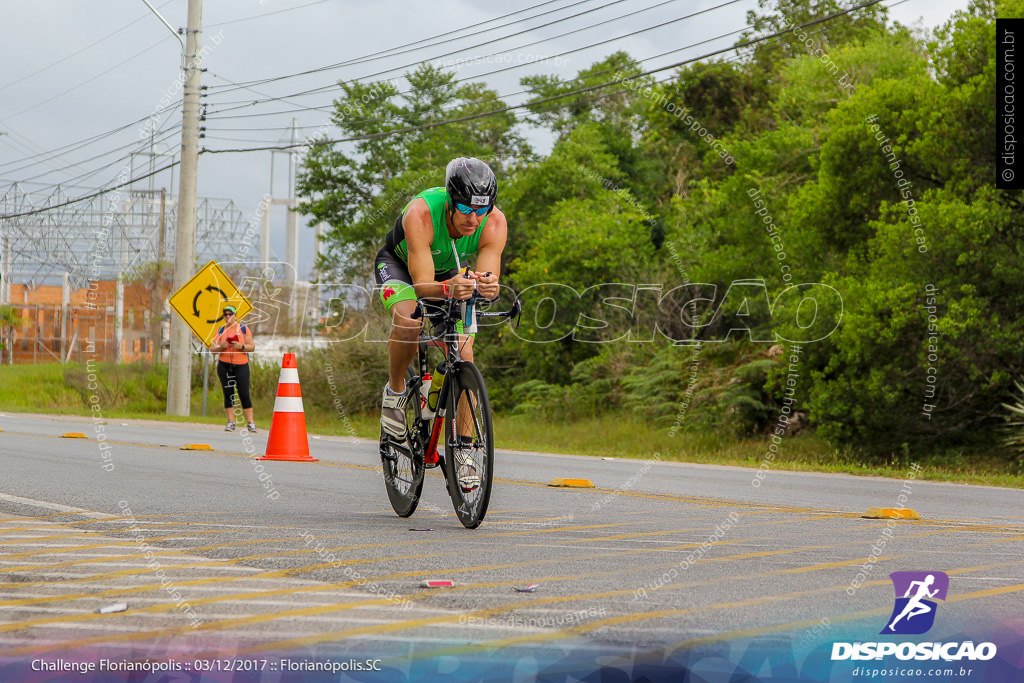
288	440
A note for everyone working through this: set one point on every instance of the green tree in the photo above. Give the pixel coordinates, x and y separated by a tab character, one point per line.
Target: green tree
579	167
930	339
929	342
783	15
359	188
614	108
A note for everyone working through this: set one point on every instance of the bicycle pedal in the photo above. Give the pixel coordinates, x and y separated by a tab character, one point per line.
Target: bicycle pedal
395	444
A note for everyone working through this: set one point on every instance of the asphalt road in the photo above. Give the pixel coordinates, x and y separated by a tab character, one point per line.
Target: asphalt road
210	559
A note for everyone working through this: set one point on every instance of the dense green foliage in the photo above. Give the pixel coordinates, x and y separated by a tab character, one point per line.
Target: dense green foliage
852	152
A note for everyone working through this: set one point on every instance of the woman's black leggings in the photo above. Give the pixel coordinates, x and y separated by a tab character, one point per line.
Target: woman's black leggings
232	376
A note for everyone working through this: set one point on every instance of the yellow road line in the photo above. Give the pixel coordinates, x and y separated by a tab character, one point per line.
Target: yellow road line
556	635
591	626
496	610
289	591
117	558
314	567
57	550
112	518
281	573
307	549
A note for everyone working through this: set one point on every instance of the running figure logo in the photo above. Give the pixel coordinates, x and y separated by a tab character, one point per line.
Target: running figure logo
914	613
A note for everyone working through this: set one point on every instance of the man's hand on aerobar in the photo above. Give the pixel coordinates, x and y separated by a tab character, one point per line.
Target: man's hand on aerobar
463	285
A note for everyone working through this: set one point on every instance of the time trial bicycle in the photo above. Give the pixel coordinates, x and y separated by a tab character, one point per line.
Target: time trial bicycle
457	401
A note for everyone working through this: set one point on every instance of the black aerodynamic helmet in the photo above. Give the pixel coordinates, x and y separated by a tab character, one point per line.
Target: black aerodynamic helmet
470	181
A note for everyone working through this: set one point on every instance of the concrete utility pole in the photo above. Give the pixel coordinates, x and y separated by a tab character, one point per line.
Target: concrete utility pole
156	301
292	218
292	233
5	260
119	319
179	384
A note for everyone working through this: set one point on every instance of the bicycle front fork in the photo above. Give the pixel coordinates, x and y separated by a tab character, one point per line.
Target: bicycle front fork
430	459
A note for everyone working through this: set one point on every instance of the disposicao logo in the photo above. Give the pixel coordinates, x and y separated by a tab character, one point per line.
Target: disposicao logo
914	612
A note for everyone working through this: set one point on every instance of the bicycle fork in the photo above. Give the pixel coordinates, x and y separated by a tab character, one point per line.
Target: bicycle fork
431	458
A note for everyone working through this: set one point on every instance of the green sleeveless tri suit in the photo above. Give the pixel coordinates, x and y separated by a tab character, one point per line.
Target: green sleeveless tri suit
391	267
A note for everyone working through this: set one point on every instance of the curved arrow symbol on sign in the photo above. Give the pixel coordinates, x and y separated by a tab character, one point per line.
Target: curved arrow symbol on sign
195	302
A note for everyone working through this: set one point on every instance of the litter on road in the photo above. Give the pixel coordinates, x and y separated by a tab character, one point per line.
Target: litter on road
116	607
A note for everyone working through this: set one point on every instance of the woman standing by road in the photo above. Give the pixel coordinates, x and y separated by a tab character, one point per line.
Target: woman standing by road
234	342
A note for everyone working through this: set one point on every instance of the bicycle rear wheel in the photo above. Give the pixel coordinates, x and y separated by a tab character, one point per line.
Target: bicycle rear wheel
469	441
403	463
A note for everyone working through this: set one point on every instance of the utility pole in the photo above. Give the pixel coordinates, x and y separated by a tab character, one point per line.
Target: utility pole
179	374
5	264
119	319
292	225
5	269
65	314
156	302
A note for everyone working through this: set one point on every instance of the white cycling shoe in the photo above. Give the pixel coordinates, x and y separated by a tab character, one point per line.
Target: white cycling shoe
468	479
392	414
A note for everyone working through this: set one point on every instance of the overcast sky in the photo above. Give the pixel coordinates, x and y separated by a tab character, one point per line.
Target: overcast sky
74	70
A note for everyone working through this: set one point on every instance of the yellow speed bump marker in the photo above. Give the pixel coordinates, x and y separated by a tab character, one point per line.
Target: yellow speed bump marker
572	483
196	447
73	435
891	513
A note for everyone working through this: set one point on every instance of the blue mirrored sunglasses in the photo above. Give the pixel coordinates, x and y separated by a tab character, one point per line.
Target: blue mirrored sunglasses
482	211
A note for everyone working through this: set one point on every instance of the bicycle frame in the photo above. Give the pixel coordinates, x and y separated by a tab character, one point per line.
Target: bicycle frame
449	338
469	448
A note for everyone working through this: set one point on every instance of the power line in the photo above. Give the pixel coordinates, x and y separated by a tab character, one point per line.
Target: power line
98	156
686	47
75	146
265	14
79	51
455	52
322	109
391	52
517	66
120	160
503	96
90	196
139	146
269	98
736	47
121	63
495	112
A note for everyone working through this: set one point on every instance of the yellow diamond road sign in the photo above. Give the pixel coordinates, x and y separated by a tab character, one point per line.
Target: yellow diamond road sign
201	302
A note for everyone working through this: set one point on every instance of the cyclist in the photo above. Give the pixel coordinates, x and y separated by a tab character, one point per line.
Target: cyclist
425	256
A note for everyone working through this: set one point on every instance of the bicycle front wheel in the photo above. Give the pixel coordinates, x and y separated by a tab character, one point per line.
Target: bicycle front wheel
469	445
403	463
